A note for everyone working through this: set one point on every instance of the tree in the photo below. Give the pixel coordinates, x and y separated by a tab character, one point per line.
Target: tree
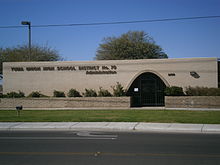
21	53
131	45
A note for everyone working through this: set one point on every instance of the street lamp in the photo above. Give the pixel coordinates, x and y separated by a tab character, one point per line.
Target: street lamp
29	29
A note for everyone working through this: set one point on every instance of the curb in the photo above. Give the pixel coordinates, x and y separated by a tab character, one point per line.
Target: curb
110	126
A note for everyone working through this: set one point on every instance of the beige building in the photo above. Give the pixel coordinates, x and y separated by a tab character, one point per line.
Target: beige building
145	80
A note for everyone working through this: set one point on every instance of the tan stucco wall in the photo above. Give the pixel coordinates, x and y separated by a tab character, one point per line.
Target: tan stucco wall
127	71
78	102
192	101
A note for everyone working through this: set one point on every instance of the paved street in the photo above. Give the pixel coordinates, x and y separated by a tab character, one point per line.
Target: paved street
86	148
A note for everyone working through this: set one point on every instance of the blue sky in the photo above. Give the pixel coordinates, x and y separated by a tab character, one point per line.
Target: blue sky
179	39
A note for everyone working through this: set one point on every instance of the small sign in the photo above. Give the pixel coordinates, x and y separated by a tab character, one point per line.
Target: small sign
136	89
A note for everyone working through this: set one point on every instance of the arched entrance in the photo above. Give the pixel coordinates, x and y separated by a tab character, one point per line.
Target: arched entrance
147	90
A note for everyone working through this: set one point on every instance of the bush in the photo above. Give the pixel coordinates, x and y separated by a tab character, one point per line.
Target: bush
73	93
36	94
58	93
202	91
90	93
104	93
14	95
174	91
118	90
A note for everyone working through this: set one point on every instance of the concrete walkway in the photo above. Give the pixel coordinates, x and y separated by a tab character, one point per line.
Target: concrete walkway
110	126
118	108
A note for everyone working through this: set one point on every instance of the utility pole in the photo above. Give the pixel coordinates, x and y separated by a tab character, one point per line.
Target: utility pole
29	36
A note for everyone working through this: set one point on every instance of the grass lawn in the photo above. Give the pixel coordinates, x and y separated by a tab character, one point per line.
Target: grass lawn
161	116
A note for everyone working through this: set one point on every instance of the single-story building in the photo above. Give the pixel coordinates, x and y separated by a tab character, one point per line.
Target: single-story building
144	80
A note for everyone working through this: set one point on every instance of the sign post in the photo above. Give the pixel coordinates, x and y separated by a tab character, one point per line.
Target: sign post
18	109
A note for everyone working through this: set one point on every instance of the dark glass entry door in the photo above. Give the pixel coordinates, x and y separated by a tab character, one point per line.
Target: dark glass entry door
148	94
147	90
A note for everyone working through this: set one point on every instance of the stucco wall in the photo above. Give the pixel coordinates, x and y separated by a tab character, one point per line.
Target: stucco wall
108	102
192	102
122	71
81	102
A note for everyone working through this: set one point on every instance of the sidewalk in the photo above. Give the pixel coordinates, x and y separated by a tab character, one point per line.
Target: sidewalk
110	126
117	108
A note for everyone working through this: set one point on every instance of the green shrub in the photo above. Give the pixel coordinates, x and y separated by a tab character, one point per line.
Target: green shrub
58	93
36	94
90	93
14	95
118	90
202	91
214	92
104	93
73	93
174	91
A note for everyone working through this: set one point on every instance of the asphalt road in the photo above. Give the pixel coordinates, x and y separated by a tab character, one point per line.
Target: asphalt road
99	148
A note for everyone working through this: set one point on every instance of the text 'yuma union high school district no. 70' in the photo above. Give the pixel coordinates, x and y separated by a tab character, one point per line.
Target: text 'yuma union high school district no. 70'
89	69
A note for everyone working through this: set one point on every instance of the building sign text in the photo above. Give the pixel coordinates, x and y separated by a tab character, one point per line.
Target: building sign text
90	69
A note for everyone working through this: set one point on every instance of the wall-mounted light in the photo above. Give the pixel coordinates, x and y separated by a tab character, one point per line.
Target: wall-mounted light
194	74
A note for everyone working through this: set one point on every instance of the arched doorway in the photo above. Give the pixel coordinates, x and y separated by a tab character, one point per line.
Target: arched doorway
147	90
